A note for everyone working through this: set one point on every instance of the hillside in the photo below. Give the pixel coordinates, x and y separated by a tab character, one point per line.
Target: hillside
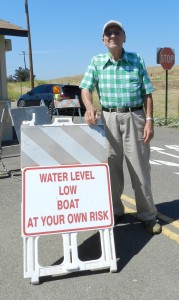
156	73
158	77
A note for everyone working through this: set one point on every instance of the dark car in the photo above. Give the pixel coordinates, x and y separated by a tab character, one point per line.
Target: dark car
45	92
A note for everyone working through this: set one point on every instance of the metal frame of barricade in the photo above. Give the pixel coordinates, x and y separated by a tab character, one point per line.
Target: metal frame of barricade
5	171
68	103
1	125
71	262
6	107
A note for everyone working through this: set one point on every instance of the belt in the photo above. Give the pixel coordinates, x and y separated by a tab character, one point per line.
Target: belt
122	109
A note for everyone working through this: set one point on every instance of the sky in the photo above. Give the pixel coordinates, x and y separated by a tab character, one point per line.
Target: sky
65	35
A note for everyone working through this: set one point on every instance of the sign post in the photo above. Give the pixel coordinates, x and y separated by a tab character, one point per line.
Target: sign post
167	60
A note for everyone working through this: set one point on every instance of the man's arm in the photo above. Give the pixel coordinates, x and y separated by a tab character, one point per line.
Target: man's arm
149	128
90	114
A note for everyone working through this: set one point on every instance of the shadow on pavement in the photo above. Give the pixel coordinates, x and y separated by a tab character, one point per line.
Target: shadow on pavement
130	238
169	209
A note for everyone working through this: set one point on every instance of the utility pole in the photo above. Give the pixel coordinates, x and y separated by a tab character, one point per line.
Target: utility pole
25	66
24	54
30	47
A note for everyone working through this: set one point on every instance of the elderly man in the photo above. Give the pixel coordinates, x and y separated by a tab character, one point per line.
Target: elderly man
125	94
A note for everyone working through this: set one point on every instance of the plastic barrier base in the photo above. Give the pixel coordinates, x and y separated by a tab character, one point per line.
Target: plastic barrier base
71	262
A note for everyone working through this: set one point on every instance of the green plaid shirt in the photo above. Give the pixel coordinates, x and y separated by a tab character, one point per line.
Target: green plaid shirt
119	84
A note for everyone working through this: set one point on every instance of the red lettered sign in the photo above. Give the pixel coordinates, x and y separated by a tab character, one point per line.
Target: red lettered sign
167	58
66	199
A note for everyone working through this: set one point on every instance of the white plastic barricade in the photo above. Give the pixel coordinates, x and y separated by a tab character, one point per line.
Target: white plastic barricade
21	114
65	190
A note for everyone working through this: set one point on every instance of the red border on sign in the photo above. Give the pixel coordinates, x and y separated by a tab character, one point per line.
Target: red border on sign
67	230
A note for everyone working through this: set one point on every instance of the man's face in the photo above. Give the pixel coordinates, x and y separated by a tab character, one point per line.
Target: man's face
114	37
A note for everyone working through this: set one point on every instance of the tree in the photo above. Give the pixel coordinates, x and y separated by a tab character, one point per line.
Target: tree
22	74
10	78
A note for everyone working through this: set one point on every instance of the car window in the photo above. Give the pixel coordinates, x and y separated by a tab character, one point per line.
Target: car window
38	89
48	88
72	91
71	87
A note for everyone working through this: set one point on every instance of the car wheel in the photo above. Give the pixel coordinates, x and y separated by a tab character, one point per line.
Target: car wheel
52	109
21	103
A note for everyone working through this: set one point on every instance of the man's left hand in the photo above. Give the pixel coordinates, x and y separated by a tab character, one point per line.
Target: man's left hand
148	131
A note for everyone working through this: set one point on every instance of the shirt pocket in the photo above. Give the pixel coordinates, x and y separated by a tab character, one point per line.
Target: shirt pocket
134	83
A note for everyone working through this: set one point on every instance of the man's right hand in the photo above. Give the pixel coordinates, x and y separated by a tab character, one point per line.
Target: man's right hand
91	116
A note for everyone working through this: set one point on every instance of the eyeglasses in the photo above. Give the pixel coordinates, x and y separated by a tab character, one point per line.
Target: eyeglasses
108	33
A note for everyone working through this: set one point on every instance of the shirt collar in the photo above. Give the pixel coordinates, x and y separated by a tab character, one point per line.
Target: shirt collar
108	57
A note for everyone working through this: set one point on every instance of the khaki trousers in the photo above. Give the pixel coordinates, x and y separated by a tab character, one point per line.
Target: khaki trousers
124	139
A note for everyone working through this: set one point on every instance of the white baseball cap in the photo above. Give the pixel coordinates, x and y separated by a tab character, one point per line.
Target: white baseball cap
112	23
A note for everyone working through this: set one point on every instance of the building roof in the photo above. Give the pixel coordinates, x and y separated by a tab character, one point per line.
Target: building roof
7	28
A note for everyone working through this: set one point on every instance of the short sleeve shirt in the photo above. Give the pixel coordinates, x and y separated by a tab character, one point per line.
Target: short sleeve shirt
119	84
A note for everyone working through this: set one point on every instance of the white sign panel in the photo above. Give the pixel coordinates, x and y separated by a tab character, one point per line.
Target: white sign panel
66	199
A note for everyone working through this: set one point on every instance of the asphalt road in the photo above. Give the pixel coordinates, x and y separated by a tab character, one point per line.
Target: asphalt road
147	266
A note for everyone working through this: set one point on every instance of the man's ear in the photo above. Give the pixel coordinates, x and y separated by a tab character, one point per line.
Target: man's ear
103	41
124	37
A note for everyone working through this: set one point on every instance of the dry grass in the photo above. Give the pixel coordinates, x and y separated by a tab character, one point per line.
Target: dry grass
158	78
157	75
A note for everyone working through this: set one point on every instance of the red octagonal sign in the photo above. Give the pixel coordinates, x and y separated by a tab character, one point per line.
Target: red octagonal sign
167	58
